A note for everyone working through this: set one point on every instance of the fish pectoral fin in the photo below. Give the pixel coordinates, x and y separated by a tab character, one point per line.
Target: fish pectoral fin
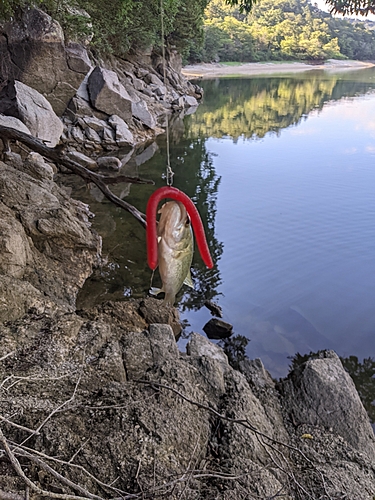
188	280
156	291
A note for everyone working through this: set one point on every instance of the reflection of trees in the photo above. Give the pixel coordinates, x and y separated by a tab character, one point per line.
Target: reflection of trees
363	375
127	273
250	108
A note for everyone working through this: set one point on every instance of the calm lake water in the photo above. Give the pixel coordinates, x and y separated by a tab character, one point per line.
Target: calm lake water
282	169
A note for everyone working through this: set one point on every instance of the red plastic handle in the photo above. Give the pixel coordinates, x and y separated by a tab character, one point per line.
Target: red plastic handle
151	232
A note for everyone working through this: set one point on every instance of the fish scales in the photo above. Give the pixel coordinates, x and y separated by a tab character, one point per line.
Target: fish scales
175	249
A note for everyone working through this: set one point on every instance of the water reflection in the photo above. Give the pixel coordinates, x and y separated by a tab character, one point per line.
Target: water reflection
293	212
251	108
126	273
289	216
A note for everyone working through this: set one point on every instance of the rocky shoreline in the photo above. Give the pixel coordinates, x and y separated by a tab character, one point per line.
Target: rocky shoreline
100	404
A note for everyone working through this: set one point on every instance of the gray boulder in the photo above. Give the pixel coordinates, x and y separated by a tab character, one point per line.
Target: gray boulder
108	94
77	58
122	132
83	160
109	162
109	136
159	90
94	123
36	167
32	51
77	107
141	111
151	78
29	106
77	134
321	393
190	101
12	122
92	135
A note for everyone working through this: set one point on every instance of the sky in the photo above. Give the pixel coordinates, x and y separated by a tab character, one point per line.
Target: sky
323	6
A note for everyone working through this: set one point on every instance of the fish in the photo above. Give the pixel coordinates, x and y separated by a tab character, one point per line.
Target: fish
175	250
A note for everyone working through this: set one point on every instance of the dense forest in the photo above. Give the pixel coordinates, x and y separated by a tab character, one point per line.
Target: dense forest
119	26
216	30
282	30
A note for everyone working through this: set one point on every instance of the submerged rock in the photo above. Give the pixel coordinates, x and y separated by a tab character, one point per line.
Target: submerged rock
218	329
109	163
215	309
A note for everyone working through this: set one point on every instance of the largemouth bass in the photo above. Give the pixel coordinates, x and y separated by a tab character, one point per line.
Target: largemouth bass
175	250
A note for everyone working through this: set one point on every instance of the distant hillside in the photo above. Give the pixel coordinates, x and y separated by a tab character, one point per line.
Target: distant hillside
282	30
370	25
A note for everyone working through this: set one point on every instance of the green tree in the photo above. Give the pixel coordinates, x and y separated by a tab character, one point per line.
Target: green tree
283	29
120	25
361	7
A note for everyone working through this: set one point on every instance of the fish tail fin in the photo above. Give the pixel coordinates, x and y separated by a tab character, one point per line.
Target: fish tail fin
188	280
169	299
155	291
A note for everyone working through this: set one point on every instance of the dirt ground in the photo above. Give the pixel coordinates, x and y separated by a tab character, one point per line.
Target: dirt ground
209	70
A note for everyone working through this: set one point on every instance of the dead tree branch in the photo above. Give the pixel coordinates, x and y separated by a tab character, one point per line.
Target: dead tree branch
18	426
266	441
59	477
57	156
36	454
18	469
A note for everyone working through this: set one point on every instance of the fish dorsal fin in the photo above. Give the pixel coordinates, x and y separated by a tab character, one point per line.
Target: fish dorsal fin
188	281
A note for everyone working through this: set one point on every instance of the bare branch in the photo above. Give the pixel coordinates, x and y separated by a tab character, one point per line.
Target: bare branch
55	155
7	355
58	476
247	424
56	410
13	424
79	449
75	466
28	379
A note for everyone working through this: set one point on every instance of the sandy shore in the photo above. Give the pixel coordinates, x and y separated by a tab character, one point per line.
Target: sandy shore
211	70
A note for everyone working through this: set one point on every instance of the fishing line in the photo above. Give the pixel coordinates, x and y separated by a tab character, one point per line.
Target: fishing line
170	173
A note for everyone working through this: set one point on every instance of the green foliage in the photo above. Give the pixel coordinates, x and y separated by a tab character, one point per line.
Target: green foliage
363	375
235	348
243	108
361	7
281	30
11	8
119	25
243	5
252	108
